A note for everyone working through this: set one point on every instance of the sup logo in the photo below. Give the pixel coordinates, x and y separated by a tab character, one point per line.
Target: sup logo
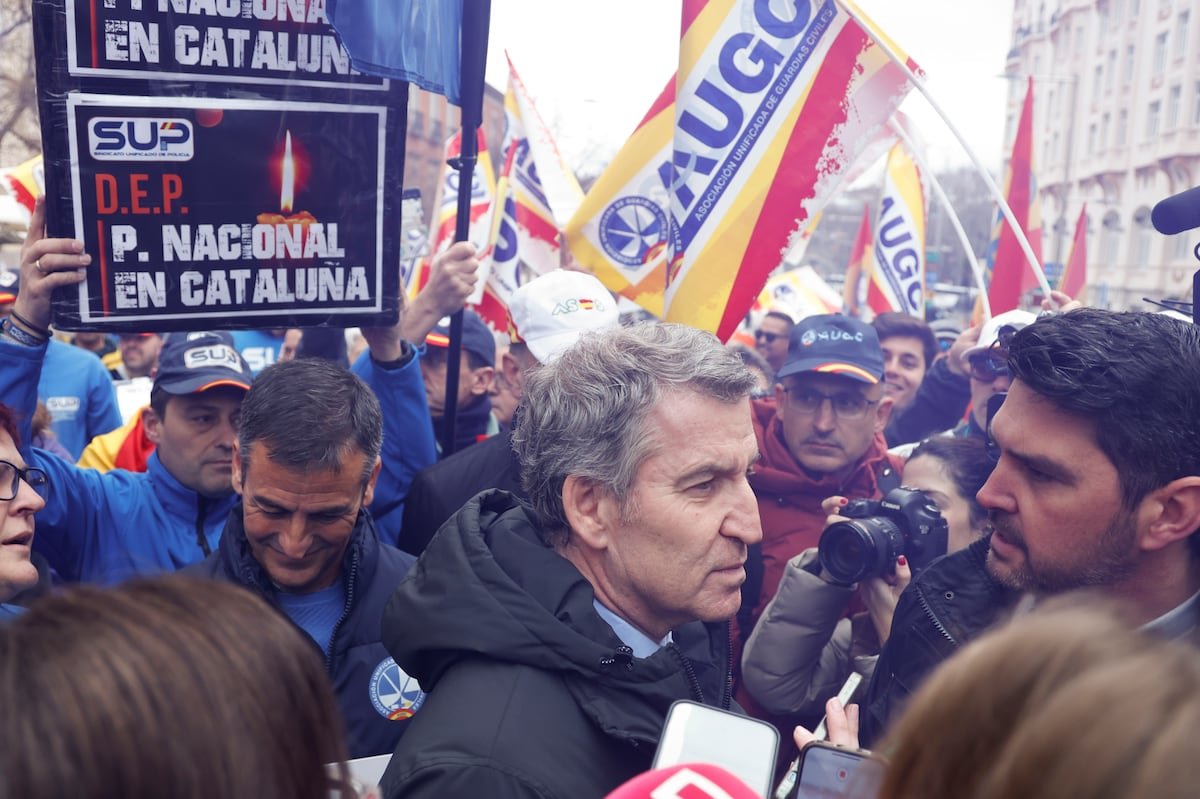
140	139
633	230
395	695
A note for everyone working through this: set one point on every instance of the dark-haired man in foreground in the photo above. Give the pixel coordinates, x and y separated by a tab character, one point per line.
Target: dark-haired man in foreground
1097	486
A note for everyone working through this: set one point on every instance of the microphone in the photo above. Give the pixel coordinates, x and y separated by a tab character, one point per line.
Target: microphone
688	781
1177	213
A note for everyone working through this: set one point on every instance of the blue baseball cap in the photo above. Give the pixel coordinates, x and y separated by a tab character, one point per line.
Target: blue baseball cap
193	362
477	337
834	344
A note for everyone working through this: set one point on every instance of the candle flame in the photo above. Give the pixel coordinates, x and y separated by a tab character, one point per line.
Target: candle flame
288	188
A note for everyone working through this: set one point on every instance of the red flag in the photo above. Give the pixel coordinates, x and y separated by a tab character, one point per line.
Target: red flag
854	269
1009	272
1074	274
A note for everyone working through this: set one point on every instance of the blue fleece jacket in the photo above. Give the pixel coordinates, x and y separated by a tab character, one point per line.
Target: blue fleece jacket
79	394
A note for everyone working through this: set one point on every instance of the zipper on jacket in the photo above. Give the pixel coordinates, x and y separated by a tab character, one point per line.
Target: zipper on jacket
932	618
689	671
727	694
201	538
350	584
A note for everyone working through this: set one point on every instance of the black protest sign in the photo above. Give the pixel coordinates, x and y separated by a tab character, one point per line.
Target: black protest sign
222	163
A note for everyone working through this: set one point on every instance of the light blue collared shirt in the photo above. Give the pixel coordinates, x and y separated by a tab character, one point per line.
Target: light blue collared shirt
1178	621
643	646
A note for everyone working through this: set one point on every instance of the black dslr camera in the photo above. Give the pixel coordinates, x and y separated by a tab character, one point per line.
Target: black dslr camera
905	522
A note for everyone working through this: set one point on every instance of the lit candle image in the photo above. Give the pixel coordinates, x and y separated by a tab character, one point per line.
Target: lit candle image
291	228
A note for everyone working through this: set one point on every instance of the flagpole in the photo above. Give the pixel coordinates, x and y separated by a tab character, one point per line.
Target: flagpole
976	269
1017	230
476	16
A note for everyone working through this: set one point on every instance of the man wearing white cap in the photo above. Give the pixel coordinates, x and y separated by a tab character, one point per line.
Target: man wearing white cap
546	316
987	367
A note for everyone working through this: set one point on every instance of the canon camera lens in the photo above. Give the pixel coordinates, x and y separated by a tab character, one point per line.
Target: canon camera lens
852	550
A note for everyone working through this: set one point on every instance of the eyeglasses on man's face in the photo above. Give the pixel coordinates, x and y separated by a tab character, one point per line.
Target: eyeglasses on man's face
767	336
846	404
11	477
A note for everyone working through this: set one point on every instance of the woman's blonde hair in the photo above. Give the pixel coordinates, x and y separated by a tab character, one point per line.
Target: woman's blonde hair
1067	701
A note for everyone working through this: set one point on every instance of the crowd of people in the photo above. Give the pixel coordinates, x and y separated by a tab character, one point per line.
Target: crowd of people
272	568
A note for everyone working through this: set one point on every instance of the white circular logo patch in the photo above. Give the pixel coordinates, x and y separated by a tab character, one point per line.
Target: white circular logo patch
394	694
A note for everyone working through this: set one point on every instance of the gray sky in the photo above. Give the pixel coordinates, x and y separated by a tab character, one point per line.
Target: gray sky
593	67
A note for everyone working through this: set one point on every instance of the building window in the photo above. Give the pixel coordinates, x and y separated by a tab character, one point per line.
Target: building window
1104	120
1051	149
1181	247
1134	7
1160	54
1174	98
1196	106
1141	238
1153	119
1181	32
1080	33
417	126
1129	62
435	130
1096	83
1122	128
1110	239
1092	134
1111	75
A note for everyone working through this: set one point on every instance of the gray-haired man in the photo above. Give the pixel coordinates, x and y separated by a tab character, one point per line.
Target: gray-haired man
555	638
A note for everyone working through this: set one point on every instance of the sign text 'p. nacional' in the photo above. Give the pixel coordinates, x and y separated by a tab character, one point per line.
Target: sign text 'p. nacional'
223	163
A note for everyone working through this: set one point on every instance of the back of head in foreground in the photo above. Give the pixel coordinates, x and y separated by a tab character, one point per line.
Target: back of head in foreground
163	687
1066	701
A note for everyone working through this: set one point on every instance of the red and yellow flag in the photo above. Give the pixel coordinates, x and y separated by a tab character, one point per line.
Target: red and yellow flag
765	116
26	181
1074	276
1008	272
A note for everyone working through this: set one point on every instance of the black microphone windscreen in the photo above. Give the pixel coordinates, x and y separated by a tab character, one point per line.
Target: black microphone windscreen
1177	213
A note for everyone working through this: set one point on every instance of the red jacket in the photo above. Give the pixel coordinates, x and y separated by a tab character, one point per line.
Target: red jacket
789	500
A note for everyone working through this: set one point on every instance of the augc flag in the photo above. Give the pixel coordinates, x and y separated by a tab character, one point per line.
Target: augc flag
524	238
898	276
771	107
620	230
445	210
445	205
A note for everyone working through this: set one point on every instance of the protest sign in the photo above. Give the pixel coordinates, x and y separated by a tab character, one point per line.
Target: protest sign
223	163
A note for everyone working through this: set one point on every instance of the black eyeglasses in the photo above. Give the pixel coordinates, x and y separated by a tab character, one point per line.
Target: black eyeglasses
990	446
846	405
11	477
987	366
763	335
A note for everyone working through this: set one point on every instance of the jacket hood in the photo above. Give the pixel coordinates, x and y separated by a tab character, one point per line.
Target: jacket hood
488	586
778	471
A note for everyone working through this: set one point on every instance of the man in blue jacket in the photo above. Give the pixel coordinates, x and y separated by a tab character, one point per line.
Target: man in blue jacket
306	464
108	527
